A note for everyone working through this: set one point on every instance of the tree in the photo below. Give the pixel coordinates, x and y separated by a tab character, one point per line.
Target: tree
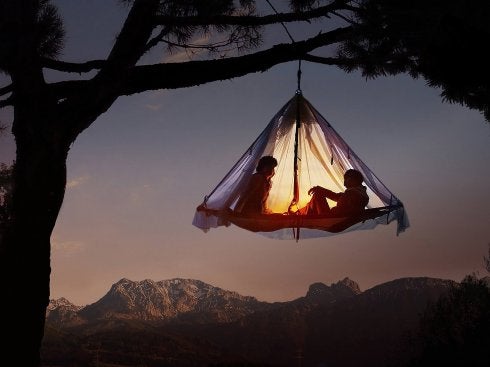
446	48
48	117
5	196
486	260
455	331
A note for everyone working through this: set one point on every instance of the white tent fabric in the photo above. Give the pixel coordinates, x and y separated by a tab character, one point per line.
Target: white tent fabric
322	158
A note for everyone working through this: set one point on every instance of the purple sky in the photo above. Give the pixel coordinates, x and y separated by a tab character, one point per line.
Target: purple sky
137	174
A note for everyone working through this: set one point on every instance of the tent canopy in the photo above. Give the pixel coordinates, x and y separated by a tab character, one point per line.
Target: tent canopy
299	134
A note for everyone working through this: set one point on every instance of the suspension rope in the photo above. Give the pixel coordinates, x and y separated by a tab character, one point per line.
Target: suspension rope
298	90
295	199
293	41
282	23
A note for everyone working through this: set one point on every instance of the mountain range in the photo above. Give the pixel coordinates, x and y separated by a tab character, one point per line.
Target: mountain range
186	322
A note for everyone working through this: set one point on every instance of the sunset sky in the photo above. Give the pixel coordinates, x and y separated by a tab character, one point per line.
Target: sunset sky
137	174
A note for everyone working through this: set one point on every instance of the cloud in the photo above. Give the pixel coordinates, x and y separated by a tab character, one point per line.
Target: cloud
155	98
77	181
140	195
67	248
180	56
186	54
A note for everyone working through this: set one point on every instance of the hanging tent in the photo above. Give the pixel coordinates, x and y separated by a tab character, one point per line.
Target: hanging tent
310	153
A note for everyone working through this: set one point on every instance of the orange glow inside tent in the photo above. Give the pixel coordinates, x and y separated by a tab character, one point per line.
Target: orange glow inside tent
298	134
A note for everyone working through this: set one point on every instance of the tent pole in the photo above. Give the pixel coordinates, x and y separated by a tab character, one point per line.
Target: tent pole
295	199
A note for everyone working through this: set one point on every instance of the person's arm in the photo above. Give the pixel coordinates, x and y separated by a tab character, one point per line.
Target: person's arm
325	193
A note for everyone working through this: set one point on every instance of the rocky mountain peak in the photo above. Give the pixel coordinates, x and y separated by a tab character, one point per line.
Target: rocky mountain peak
169	299
60	302
342	289
347	284
317	289
211	324
62	311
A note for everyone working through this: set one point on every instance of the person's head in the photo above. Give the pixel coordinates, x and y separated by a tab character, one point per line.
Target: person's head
352	178
266	165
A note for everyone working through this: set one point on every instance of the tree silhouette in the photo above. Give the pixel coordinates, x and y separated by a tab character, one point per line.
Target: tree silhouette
49	116
455	331
445	47
5	196
486	260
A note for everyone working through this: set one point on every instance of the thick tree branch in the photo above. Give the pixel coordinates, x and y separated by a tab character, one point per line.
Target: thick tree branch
251	20
6	90
179	75
91	65
91	98
6	102
157	39
338	61
82	101
70	88
341	16
131	42
81	110
71	67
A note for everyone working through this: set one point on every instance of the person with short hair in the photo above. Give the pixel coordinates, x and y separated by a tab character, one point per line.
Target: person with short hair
350	202
253	200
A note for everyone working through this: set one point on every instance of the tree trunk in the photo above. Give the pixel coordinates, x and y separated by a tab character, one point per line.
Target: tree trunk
39	185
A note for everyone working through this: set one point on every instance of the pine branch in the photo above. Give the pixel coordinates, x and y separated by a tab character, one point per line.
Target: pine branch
338	61
71	67
6	102
251	20
157	39
222	45
344	18
131	42
184	74
6	90
192	73
91	65
80	102
70	88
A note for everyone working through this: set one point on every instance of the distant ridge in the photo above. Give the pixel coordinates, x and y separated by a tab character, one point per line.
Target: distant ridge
345	287
179	298
189	322
164	301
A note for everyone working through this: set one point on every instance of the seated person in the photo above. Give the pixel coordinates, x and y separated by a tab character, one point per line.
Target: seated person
350	202
254	198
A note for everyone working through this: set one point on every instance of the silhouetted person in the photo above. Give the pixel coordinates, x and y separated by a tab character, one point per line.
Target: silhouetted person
253	200
350	202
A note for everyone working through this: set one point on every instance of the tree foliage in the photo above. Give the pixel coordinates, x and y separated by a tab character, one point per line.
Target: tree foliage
443	41
47	31
455	331
486	260
5	195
